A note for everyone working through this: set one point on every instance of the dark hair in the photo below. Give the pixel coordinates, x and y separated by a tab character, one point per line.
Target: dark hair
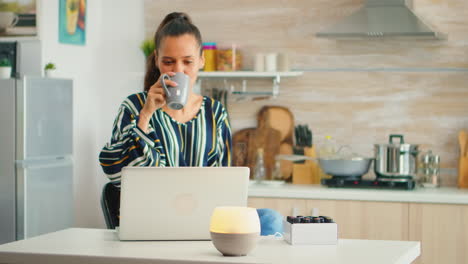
174	24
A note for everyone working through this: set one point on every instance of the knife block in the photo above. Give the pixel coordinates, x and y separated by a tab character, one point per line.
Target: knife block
309	172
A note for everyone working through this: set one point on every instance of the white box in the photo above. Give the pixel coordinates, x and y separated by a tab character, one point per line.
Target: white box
310	233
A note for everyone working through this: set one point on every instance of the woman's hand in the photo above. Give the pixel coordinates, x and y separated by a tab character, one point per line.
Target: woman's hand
156	99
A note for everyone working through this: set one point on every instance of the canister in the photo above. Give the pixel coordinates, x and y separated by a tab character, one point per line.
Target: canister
228	58
209	51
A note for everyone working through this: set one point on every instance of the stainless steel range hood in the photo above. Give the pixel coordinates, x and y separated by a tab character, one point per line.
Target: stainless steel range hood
381	19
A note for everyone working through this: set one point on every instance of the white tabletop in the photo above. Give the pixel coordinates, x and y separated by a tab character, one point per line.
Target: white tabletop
77	245
444	195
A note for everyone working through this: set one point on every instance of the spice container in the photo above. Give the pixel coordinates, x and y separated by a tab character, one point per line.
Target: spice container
209	51
228	59
431	170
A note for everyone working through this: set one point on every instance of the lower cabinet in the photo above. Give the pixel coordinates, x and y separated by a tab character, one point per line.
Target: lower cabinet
370	220
441	228
356	220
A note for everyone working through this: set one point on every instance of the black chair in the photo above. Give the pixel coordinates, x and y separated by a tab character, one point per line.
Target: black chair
110	203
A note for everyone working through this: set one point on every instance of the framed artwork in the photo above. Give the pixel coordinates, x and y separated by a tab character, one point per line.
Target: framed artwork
17	18
72	22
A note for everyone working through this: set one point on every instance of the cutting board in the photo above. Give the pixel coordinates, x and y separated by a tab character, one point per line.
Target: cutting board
286	165
269	139
280	118
463	160
240	147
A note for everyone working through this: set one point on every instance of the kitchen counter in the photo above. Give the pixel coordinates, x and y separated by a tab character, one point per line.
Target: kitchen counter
442	195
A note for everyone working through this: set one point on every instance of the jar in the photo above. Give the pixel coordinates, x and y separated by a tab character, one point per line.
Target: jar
229	59
209	51
430	169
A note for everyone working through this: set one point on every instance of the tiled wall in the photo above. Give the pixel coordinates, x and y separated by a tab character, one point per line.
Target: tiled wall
358	91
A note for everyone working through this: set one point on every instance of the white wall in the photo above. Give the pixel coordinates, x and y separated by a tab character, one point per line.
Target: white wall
105	71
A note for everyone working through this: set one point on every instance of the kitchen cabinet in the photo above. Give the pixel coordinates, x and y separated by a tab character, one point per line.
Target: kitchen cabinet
356	220
441	228
367	220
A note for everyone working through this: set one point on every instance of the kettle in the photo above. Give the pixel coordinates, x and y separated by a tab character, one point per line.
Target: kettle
396	161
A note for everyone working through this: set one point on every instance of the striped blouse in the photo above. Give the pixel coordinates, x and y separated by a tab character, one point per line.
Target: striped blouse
203	141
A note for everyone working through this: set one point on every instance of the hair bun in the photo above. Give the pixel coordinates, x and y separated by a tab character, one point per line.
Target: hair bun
179	16
182	16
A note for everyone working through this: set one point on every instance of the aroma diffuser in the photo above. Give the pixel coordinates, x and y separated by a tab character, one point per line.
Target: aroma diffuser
234	230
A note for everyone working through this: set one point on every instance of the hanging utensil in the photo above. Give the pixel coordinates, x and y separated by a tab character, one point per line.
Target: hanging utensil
214	93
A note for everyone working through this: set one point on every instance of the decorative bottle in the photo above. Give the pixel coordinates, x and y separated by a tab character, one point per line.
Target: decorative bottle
259	170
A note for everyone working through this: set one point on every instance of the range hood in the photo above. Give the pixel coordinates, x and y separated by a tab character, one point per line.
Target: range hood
381	19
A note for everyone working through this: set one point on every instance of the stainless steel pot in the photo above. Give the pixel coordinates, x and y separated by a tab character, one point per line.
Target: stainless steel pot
396	160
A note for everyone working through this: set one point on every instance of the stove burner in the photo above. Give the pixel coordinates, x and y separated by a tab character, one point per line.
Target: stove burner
357	182
394	179
347	178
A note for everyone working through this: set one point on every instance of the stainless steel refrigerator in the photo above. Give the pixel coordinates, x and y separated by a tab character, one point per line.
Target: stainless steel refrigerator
36	165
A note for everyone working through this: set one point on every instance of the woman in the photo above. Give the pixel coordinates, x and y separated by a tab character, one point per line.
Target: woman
148	133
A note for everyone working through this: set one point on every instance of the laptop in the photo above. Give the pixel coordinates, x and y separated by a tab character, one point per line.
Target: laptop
176	203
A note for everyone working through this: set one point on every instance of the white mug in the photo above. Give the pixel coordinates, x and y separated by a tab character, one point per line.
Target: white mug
259	64
283	62
8	19
270	62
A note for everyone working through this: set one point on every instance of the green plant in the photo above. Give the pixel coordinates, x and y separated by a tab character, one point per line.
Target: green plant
148	47
5	63
9	7
49	66
73	6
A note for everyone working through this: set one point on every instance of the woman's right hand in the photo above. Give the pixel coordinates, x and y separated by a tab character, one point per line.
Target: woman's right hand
156	99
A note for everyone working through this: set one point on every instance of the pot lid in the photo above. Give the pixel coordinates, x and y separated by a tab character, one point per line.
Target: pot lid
393	143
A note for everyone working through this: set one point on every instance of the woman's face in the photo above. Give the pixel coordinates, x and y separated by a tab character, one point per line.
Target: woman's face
180	54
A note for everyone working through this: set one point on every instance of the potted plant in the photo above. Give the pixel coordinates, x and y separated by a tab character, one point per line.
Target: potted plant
5	69
147	46
49	69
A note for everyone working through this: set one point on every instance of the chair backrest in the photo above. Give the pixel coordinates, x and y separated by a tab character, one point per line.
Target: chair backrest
110	203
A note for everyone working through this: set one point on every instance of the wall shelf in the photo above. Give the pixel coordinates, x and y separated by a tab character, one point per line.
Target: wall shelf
247	74
385	69
276	76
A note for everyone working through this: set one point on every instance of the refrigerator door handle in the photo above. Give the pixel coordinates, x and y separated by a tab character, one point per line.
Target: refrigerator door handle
44	163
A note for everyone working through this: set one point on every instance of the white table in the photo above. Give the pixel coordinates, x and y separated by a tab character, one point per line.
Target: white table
78	245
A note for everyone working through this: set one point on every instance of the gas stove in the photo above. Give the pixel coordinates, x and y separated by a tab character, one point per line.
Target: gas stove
378	183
